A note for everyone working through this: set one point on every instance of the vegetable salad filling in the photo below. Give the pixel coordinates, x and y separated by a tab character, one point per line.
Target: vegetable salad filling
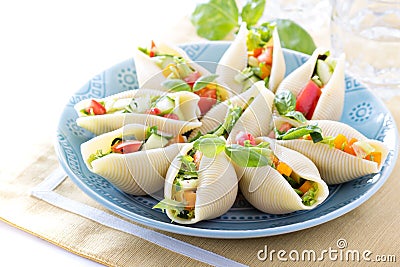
259	56
306	189
182	204
180	76
352	146
164	106
126	144
308	97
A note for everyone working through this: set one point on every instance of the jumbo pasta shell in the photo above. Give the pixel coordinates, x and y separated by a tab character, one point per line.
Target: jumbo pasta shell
186	102
334	165
235	58
267	190
278	63
216	115
217	187
257	118
331	102
137	173
149	73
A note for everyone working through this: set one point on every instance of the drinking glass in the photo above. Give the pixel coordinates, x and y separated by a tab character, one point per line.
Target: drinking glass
368	32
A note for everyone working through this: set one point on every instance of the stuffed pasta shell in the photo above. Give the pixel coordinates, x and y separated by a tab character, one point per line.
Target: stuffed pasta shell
174	113
134	158
198	187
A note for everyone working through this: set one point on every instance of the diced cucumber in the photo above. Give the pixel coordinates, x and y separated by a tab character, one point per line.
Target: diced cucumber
154	141
163	61
324	71
165	104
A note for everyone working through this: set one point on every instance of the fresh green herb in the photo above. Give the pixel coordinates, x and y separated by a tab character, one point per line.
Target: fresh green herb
233	115
99	154
248	156
285	102
215	19
258	36
169	204
252	11
175	85
295	133
188	168
151	130
203	81
308	198
293	36
210	145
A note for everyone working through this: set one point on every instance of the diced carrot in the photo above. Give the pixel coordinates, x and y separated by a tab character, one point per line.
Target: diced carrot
339	141
275	161
352	141
284	169
349	149
307	185
190	198
265	70
375	156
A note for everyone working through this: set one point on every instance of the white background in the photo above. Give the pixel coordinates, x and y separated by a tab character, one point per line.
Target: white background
48	50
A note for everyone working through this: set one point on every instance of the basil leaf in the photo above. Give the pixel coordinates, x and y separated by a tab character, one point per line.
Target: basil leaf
293	36
215	19
233	115
285	102
295	133
203	81
252	11
210	145
175	85
246	156
296	115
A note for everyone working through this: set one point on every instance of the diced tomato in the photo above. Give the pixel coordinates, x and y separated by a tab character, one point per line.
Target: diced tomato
171	116
153	49
197	157
208	98
266	56
128	146
192	78
307	99
96	108
286	126
257	51
154	111
241	137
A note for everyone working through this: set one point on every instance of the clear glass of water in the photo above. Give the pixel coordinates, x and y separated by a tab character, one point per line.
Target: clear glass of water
368	32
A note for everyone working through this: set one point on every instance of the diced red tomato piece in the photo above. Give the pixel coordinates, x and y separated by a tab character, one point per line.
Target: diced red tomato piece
266	56
171	116
128	146
241	137
286	126
96	108
154	111
192	78
208	98
153	49
257	51
307	99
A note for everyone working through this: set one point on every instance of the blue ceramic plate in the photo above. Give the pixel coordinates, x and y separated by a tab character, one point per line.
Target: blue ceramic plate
362	110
